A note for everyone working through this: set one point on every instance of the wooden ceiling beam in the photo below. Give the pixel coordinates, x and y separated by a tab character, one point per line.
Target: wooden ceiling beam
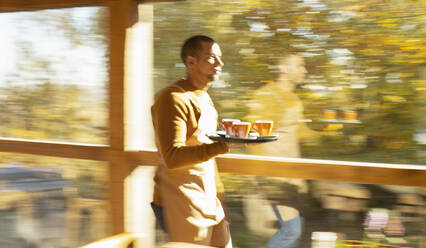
30	5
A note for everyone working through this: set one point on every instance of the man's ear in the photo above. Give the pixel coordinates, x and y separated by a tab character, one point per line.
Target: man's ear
191	61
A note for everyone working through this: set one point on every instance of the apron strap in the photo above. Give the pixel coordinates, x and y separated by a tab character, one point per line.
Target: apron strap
277	213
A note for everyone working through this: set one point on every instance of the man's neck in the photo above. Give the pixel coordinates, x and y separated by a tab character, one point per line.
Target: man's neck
286	84
198	83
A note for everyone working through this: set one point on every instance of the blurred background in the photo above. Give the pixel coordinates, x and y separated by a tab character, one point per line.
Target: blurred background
367	57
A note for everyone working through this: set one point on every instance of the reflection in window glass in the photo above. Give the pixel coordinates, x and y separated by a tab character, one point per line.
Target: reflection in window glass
53	75
52	202
323	214
342	80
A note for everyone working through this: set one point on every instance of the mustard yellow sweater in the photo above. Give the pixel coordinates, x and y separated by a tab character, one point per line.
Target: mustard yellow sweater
175	118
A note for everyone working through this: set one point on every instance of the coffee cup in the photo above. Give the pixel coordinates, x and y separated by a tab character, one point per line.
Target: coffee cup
227	125
241	129
263	127
350	115
330	114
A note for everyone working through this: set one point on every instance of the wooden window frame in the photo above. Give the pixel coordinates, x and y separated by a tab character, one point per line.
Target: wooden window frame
314	169
123	14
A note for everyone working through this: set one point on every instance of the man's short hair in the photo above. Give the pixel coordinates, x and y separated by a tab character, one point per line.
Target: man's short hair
192	46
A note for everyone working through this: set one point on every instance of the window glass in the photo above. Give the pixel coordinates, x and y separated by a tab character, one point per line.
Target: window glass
342	80
52	202
53	75
323	213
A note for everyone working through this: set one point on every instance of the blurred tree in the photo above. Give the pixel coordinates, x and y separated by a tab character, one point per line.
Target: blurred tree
41	99
364	55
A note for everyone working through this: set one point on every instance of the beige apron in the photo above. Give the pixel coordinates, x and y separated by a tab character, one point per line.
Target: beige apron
193	212
288	144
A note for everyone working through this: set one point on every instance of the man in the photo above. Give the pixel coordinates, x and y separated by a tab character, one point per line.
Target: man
187	178
286	110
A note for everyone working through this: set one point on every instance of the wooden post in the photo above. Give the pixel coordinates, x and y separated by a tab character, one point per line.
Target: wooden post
131	95
139	133
123	14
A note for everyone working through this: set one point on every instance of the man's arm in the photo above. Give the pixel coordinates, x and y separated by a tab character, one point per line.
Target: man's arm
171	115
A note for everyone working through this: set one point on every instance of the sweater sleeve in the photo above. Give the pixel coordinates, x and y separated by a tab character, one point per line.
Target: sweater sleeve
171	114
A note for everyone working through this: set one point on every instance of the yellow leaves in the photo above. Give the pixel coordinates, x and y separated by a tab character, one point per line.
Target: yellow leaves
421	54
419	85
257	3
406	74
355	7
393	41
406	50
407	59
348	31
363	105
369	51
42	112
416	61
410	48
224	19
413	42
333	127
390	23
396	144
392	98
406	44
267	81
26	134
415	45
314	95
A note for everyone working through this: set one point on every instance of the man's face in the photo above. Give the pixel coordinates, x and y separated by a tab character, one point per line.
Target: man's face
295	69
207	65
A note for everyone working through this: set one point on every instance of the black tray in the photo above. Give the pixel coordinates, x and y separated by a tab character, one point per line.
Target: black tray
220	136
